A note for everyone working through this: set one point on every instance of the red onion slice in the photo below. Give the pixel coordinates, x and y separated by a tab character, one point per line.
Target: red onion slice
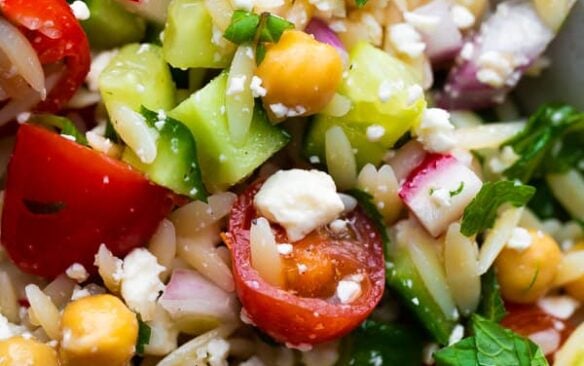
323	33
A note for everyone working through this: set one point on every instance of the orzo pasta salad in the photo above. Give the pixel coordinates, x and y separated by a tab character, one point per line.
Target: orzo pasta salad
286	182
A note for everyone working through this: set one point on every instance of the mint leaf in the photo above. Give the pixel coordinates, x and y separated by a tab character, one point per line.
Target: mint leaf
144	333
361	3
243	27
539	144
462	353
491	306
491	345
376	343
480	214
273	27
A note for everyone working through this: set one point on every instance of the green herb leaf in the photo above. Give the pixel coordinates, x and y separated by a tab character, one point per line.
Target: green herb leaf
144	333
361	3
376	343
243	27
65	126
273	27
480	214
491	306
491	344
540	143
457	190
43	208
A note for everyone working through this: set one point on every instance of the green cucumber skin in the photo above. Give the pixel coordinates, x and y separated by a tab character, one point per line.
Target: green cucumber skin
138	76
369	68
188	37
403	278
223	163
110	25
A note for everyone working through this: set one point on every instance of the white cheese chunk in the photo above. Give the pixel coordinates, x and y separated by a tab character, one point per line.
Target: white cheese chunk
375	133
80	10
141	284
520	239
77	272
456	335
348	291
285	248
462	17
406	40
256	87
299	200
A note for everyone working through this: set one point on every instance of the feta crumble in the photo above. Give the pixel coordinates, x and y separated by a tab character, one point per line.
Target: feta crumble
456	335
281	111
256	87
299	200
77	272
406	40
348	291
520	239
140	282
462	17
236	84
435	131
285	248
338	226
375	133
80	10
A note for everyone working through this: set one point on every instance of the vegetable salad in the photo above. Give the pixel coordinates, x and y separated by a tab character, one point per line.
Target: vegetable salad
286	182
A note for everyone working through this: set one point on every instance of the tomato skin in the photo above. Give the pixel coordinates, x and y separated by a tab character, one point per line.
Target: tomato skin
284	316
530	319
56	36
104	200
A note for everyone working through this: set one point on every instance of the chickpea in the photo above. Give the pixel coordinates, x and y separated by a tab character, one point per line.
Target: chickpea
300	72
98	330
526	275
18	351
576	287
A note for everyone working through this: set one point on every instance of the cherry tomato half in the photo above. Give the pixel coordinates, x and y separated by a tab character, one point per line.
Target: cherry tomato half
542	328
306	311
63	200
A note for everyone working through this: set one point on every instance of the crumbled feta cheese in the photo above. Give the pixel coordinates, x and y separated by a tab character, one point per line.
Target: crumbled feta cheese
140	281
456	335
280	110
302	268
462	17
467	51
79	293
8	330
415	92
416	301
314	159
348	291
285	248
256	87
218	351
299	200
406	40
422	22
520	239
435	131
375	133
98	64
236	84
490	77
338	226
77	272
440	197
246	5
80	10
386	91
494	68
561	307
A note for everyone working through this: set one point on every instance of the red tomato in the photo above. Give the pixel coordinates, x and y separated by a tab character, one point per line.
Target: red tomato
56	36
531	321
306	311
63	200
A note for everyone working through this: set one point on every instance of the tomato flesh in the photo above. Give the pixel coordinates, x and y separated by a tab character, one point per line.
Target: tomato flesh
63	200
57	37
307	311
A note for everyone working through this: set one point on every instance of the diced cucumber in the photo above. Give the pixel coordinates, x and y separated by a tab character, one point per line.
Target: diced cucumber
373	75
176	165
190	39
138	76
224	163
403	278
110	25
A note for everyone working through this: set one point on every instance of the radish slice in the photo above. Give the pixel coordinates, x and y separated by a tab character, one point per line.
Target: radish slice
438	190
406	159
491	63
195	303
441	35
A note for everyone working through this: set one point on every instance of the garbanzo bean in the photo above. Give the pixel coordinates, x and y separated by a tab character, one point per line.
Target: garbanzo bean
98	330
526	275
576	288
300	72
18	351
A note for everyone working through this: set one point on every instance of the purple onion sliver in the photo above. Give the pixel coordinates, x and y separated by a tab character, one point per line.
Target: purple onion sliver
323	33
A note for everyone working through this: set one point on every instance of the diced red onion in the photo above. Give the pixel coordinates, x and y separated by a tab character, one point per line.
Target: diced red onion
323	33
517	34
192	300
444	40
